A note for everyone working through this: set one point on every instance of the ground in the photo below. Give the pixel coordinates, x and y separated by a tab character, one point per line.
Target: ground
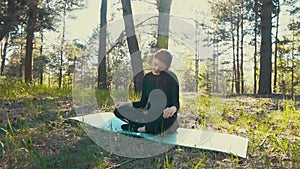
34	134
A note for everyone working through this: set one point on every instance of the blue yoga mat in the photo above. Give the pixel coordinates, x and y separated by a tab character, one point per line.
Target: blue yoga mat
208	140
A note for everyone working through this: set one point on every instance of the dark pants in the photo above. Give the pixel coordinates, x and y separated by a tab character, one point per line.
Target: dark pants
138	118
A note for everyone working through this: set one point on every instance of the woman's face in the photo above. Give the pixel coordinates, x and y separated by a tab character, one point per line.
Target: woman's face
158	66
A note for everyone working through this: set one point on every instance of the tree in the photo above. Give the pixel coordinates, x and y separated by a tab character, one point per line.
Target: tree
41	61
228	15
164	7
276	46
3	55
255	46
62	43
39	66
292	61
238	70
11	13
35	16
102	47
31	25
232	29
135	54
65	6
242	48
266	48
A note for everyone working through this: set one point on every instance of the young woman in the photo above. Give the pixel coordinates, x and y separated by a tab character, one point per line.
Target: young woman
160	100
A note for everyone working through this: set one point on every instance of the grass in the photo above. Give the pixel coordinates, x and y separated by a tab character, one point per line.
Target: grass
33	133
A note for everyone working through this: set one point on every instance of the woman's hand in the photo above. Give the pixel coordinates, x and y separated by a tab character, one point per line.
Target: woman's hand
169	112
121	104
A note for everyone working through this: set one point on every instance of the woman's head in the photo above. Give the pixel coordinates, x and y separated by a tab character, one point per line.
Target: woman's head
162	60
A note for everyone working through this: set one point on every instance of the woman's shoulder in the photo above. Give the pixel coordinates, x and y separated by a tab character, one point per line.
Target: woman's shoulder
171	75
148	74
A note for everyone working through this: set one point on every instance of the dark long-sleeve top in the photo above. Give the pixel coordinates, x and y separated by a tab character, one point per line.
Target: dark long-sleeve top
167	82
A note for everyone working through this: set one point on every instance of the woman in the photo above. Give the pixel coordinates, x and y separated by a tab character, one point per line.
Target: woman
160	100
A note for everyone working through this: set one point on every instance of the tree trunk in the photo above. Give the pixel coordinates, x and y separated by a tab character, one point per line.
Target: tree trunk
197	57
164	7
3	55
102	47
255	47
21	61
266	48
242	49
135	54
74	64
233	54
215	53
41	55
32	18
238	77
293	62
62	43
217	68
276	47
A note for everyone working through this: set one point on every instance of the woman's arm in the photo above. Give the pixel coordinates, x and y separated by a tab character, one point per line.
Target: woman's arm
143	101
173	96
174	91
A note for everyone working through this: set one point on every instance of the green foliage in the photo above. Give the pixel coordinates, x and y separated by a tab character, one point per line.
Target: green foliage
273	135
188	82
286	68
200	162
104	100
16	90
168	164
40	115
277	129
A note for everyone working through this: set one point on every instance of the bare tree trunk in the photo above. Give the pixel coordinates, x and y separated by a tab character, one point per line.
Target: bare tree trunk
242	49
102	47
41	54
3	55
217	68
29	40
255	47
276	47
49	77
293	62
197	57
21	62
238	77
233	54
266	48
62	43
135	54
74	64
215	53
164	7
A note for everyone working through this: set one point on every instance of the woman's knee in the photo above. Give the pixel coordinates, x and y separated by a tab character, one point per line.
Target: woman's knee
117	113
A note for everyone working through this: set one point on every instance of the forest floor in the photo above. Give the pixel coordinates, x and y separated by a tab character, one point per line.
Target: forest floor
34	134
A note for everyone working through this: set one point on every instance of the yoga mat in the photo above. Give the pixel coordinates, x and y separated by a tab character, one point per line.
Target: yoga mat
193	138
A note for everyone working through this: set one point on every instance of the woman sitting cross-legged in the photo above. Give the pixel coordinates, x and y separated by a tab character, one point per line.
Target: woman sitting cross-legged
159	100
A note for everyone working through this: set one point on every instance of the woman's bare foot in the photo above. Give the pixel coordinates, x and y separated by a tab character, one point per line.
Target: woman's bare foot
141	129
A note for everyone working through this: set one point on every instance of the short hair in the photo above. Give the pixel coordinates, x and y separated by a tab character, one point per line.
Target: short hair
164	56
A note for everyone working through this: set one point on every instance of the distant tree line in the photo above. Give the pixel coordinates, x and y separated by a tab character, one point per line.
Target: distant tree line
275	58
238	27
